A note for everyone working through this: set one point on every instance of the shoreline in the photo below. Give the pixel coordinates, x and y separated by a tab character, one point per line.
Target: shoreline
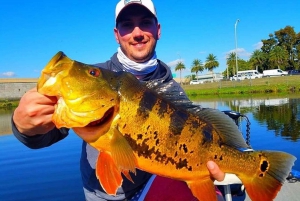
269	85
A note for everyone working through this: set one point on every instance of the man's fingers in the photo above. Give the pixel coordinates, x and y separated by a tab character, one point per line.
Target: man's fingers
215	171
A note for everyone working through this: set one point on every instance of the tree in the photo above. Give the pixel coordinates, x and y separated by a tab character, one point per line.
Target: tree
211	62
297	59
244	65
287	39
197	66
257	59
279	56
268	44
231	63
179	67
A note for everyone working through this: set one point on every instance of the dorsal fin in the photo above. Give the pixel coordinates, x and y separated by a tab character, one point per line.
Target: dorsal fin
225	127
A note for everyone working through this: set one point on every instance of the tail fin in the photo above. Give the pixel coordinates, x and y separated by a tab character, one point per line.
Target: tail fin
269	177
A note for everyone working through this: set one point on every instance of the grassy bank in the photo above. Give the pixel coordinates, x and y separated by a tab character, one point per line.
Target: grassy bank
8	104
282	85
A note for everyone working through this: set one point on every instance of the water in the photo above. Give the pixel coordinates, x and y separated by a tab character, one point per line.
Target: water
45	174
53	173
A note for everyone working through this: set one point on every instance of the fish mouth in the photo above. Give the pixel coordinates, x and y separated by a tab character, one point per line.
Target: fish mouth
95	129
107	117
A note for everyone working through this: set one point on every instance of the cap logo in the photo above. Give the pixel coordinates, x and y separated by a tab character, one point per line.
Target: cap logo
132	1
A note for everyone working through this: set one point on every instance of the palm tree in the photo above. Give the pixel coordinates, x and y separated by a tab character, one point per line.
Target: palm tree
231	63
211	63
180	66
279	56
257	58
197	67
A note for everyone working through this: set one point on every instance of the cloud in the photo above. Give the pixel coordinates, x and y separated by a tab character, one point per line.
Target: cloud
258	45
240	51
175	62
8	74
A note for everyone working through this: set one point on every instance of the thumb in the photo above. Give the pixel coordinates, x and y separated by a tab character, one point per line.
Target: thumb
215	171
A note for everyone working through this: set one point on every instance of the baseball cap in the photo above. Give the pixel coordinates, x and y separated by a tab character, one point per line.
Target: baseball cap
124	3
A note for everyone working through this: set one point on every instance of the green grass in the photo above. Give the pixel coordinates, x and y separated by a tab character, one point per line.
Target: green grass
8	104
282	85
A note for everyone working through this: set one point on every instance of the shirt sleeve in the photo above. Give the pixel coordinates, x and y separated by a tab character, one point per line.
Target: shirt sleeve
40	140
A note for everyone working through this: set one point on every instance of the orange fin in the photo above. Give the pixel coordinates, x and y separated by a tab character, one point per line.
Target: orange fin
122	153
127	175
108	174
203	190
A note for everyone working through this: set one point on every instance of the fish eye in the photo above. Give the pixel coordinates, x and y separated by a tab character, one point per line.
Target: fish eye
94	72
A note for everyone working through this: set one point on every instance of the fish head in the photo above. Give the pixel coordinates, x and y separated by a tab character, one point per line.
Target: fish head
85	97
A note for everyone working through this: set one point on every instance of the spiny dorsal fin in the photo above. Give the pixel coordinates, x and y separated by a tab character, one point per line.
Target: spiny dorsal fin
225	127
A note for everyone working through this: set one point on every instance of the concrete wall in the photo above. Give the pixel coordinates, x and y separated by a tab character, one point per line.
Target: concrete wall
14	90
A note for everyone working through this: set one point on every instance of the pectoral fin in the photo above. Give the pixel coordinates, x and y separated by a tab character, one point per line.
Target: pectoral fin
108	174
122	153
111	164
204	190
127	175
118	158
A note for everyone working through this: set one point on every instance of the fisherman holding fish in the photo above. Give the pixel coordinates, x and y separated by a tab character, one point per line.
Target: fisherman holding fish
137	32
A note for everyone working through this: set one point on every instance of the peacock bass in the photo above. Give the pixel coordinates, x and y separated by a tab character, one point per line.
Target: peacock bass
134	127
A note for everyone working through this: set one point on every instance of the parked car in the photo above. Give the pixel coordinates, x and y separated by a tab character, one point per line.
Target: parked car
274	72
196	82
294	72
240	77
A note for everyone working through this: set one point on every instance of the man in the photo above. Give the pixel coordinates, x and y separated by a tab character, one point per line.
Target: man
137	31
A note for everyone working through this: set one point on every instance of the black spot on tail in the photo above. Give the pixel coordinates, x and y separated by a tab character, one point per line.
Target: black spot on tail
264	166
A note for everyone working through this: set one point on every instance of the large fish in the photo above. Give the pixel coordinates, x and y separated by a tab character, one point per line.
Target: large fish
134	127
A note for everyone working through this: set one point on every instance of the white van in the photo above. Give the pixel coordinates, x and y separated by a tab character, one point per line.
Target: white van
274	72
250	74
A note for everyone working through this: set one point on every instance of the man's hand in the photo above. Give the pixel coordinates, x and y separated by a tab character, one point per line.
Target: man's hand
215	171
34	113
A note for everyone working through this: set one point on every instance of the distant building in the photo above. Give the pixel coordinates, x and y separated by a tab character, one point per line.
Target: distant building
15	88
210	77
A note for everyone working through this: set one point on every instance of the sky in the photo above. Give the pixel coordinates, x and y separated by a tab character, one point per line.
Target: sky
32	32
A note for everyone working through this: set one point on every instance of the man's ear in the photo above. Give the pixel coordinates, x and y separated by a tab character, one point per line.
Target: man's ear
116	35
158	31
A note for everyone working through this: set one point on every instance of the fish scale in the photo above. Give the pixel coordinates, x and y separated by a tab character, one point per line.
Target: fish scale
133	127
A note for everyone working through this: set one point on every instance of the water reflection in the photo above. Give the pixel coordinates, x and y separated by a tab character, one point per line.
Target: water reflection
284	119
280	114
5	121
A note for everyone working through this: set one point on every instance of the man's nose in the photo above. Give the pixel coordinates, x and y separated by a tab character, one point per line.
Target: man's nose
137	32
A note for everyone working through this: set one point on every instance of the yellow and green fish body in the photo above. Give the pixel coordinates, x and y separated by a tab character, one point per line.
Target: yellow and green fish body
134	127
